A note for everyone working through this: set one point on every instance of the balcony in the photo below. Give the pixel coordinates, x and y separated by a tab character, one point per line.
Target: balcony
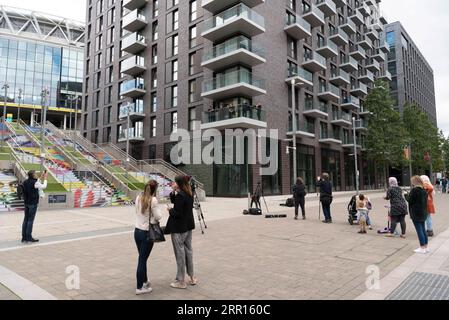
133	88
297	28
383	18
372	34
359	89
243	116
357	17
330	93
304	130
364	9
314	62
366	76
384	47
327	6
233	84
351	103
364	42
361	125
134	21
342	119
327	49
327	138
348	142
234	51
304	77
339	37
372	65
385	75
134	43
349	64
364	112
135	135
134	4
357	52
379	56
215	6
238	19
314	16
340	3
315	110
133	66
349	27
377	25
136	111
340	78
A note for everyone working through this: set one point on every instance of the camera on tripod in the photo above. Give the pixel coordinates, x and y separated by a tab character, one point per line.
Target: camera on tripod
196	203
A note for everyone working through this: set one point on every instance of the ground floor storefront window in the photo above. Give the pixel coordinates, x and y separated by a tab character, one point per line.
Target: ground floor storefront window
330	163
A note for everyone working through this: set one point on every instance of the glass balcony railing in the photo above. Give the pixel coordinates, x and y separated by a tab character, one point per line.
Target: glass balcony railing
338	32
231	45
238	11
132	39
132	16
296	19
313	56
340	73
296	71
350	60
234	112
132	134
307	127
357	48
351	100
324	43
330	88
134	84
341	116
232	78
136	107
359	86
309	105
134	61
314	10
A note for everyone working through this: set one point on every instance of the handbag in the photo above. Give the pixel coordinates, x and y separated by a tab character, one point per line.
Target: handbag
155	232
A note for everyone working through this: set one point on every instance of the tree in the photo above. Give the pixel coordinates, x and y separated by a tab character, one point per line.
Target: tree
425	138
386	135
445	153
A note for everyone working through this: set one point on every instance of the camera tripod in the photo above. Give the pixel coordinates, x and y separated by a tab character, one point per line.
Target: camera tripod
199	211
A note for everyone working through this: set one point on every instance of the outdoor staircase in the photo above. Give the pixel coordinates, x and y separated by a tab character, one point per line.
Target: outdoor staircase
9	201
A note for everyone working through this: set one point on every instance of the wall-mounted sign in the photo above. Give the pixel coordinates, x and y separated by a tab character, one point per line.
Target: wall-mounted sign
57	198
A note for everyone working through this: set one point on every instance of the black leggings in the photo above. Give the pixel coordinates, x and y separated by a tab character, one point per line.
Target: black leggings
300	203
394	222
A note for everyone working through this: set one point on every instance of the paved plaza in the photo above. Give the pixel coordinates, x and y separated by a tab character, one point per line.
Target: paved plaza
239	257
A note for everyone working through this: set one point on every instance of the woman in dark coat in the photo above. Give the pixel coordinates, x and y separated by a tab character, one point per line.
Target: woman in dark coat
417	200
299	195
180	225
398	207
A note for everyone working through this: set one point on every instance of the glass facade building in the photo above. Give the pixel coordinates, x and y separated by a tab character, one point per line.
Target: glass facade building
33	60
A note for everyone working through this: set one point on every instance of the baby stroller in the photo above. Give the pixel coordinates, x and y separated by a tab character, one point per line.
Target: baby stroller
352	210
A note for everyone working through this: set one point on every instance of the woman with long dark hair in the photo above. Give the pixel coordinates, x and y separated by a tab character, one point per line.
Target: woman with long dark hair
147	212
299	194
180	225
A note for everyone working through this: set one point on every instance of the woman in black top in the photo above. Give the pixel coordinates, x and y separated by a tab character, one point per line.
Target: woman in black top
398	207
417	200
325	196
299	194
180	225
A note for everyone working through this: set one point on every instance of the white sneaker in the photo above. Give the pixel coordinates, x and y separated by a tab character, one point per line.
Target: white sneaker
147	285
421	251
143	291
427	250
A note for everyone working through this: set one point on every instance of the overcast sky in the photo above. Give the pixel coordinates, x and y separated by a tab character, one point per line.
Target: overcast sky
426	22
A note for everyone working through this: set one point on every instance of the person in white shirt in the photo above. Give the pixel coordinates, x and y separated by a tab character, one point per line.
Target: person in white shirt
147	211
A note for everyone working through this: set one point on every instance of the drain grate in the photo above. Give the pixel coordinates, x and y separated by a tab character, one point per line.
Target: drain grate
422	286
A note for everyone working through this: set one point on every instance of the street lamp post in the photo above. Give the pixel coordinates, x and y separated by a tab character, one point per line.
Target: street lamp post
5	87
76	114
294	83
45	93
354	136
20	101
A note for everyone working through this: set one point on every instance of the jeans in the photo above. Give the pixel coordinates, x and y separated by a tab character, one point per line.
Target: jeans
28	221
144	248
182	246
326	210
300	203
422	234
368	220
429	223
394	222
256	202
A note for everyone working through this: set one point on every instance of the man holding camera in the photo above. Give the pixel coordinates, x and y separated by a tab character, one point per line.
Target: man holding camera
326	197
32	191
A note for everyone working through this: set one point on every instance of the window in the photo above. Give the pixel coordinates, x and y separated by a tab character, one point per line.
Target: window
193	10
192	119
153	127
175	45
174	70
193	36
192	90
153	102
155	8
174	96
175	19
292	48
155	34
154	54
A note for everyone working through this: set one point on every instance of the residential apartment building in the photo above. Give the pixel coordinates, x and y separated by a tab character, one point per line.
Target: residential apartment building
413	78
170	64
38	51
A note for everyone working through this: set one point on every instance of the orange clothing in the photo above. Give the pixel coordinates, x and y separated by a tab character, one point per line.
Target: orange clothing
430	204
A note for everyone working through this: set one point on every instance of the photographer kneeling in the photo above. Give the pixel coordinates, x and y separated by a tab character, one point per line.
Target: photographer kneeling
180	225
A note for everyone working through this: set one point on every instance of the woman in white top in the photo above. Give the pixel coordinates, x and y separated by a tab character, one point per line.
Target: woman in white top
147	211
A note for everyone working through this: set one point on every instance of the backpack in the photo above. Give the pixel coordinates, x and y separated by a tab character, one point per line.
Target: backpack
20	191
